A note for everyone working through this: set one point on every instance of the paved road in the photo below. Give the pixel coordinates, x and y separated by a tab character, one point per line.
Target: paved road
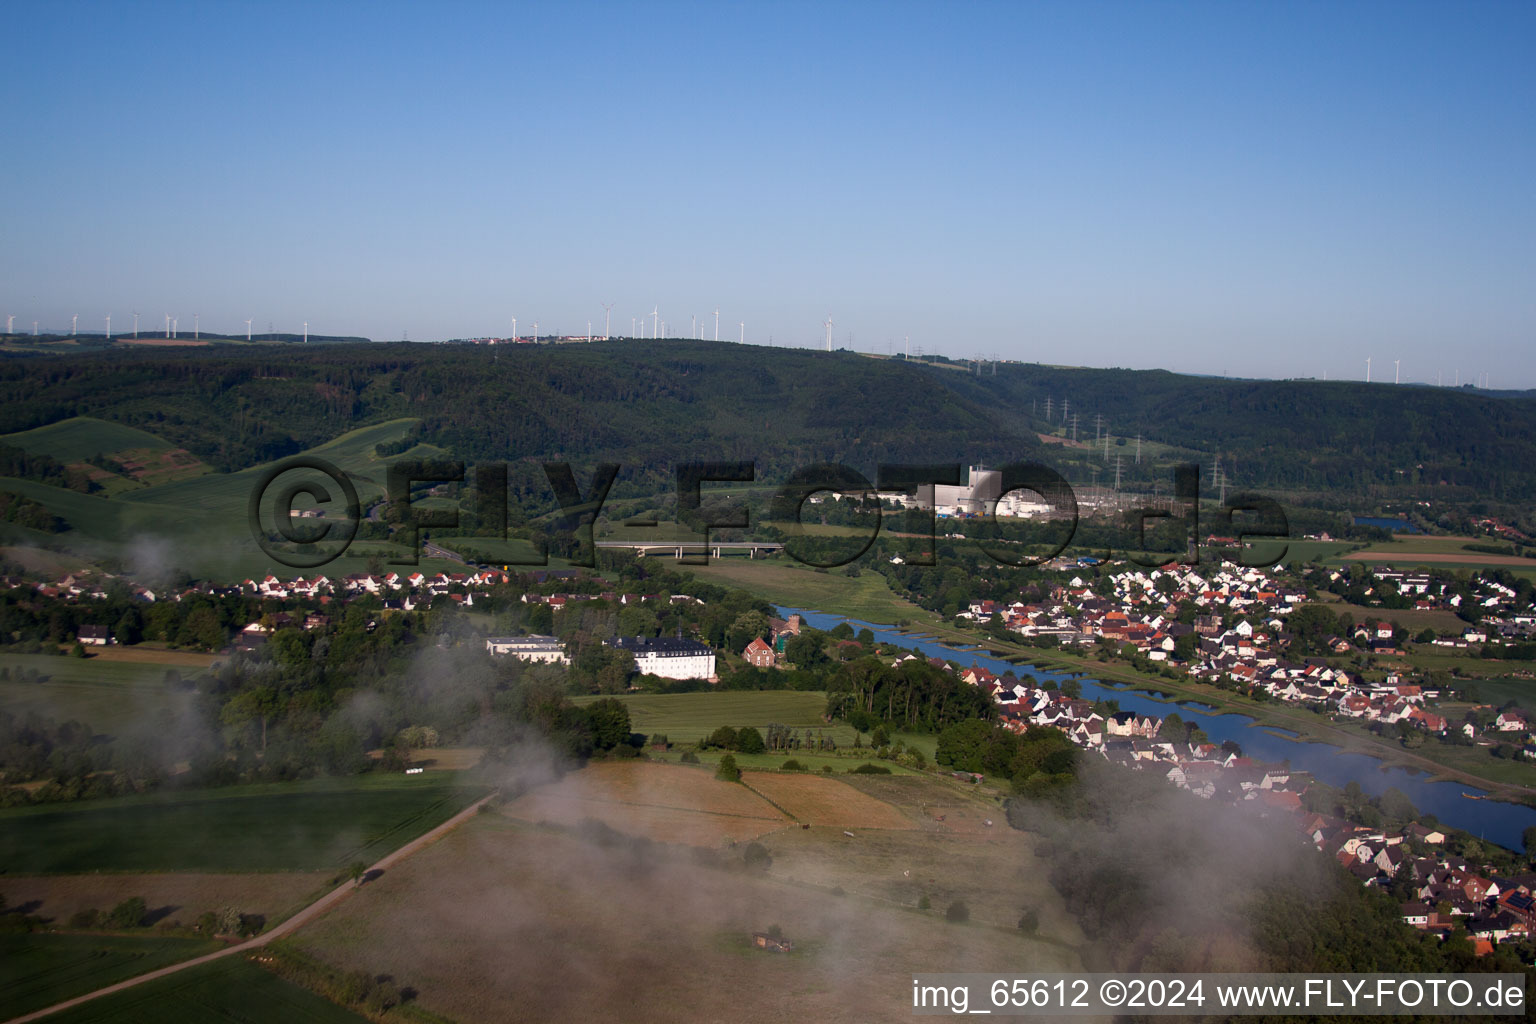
303	917
433	551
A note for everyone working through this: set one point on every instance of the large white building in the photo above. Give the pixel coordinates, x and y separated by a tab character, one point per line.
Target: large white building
669	657
978	495
529	648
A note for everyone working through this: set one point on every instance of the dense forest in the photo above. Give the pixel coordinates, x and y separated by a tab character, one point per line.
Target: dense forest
649	407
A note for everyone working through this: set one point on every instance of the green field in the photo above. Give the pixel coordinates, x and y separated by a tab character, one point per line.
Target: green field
38	970
866	596
686	718
226	494
106	695
81	437
689	717
200	524
231	989
314	825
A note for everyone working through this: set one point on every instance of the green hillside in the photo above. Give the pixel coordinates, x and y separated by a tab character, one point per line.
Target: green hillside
650	406
81	437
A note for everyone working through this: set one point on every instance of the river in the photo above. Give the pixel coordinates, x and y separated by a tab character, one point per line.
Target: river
1495	820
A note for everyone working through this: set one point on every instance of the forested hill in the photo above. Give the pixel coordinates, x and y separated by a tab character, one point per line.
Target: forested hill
649	405
1345	438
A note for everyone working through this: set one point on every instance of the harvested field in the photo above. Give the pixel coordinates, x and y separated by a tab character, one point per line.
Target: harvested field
141	655
170	897
671	803
663	824
940	804
823	801
483	922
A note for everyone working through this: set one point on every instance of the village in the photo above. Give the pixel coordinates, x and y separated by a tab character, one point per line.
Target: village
1135	608
1239	639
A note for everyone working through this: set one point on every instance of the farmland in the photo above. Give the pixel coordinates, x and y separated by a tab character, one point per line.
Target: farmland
228	989
689	717
107	693
530	892
820	801
667	803
199	522
38	970
315	825
1407	551
168	897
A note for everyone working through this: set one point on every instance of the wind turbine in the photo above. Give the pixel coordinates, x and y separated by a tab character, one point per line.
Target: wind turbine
109	326
743	326
167	325
655	321
589	331
74	325
694	318
514	330
247	330
607	317
306	332
717	323
828	326
10	322
1367	369
197	331
1397	367
136	324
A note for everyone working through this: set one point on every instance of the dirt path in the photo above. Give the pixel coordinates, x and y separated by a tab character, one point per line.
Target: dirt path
303	917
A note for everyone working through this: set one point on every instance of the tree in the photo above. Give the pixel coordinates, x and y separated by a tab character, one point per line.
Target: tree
924	903
356	870
609	719
1029	922
958	912
724	737
756	857
750	741
728	770
128	914
1528	839
230	921
382	996
749	625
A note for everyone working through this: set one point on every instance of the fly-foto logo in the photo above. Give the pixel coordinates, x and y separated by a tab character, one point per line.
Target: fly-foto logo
310	537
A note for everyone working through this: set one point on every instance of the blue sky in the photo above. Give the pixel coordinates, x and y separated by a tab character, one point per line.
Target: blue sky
1274	189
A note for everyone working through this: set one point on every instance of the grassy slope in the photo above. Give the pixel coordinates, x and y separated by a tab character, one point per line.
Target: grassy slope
81	437
318	824
200	524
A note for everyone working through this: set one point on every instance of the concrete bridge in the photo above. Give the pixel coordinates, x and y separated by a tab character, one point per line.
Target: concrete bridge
678	549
